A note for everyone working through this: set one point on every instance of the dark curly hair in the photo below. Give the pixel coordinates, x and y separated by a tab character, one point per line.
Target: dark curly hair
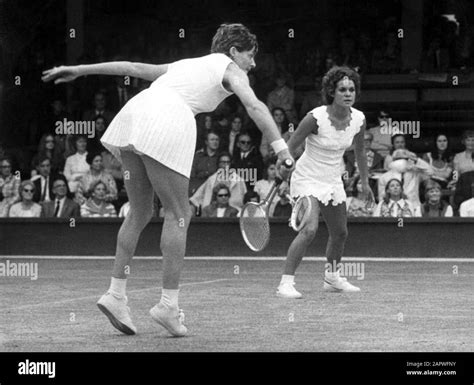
233	35
332	77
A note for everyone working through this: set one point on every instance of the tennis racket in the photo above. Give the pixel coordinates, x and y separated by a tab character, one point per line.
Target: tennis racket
254	223
301	211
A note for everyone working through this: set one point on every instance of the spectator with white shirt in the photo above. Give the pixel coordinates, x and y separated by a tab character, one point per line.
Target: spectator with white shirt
26	208
263	186
43	181
398	143
395	203
247	159
76	165
434	206
96	206
464	161
61	206
9	186
467	207
220	207
410	169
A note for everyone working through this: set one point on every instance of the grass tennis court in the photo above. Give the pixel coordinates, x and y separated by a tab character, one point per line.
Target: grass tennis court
403	306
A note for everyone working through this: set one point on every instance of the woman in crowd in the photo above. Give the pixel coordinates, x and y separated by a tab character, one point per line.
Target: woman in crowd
262	187
464	161
95	173
47	147
357	207
76	165
9	186
395	203
26	208
441	160
434	206
220	207
96	206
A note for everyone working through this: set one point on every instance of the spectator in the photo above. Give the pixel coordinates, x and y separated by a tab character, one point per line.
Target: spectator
283	208
464	161
47	148
247	160
284	97
43	181
410	169
398	143
395	203
9	187
434	206
224	174
463	188
467	207
382	142
26	208
124	210
312	99
263	186
230	143
440	159
281	120
357	207
96	206
94	144
204	124
251	196
220	207
61	206
76	165
205	161
57	113
96	172
100	108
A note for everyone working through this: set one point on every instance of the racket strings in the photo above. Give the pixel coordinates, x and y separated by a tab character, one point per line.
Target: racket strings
255	226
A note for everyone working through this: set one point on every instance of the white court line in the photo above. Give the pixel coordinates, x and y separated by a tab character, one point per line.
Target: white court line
238	258
97	296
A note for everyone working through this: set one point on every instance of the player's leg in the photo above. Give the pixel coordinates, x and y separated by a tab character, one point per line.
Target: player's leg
172	189
296	253
336	221
140	194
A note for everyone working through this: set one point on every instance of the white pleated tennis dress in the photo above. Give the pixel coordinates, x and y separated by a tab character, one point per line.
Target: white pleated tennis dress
318	171
159	121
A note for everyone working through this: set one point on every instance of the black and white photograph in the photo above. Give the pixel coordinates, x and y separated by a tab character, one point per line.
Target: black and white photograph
284	189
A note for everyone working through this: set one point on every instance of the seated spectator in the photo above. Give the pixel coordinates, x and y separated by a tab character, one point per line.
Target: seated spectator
312	99
283	208
96	206
398	143
467	207
395	203
263	186
284	97
410	169
204	123
76	165
224	174
95	173
279	117
230	143
434	206
251	196
220	207
56	113
463	190
374	162
357	207
382	142
9	186
43	181
205	161
26	208
100	109
464	161
440	159
124	210
61	206
47	148
247	160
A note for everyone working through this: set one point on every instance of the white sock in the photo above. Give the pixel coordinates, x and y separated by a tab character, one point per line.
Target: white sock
169	298
287	279
118	286
331	275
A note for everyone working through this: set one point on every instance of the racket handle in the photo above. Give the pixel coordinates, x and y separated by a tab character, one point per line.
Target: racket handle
288	163
290	198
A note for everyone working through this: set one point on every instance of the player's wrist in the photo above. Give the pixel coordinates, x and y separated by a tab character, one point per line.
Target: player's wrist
279	145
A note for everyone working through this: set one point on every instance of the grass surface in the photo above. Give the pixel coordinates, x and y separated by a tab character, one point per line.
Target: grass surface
403	306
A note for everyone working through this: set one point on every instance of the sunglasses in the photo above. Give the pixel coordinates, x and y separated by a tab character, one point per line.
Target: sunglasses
222	195
28	190
245	142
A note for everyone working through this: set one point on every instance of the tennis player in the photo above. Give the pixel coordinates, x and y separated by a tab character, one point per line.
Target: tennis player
154	136
328	130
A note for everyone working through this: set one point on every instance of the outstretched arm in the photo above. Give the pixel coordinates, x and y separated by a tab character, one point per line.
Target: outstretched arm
144	71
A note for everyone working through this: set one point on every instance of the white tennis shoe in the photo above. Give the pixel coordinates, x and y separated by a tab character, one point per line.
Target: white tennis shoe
171	319
287	290
339	284
117	312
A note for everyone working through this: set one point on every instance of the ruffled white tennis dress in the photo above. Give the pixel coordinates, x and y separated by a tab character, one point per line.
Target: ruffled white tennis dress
159	121
318	171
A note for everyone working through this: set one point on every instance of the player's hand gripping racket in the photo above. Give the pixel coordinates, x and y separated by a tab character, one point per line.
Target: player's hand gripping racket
254	223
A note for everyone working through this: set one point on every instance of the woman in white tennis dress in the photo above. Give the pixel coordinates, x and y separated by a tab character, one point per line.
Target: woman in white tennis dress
328	130
154	137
